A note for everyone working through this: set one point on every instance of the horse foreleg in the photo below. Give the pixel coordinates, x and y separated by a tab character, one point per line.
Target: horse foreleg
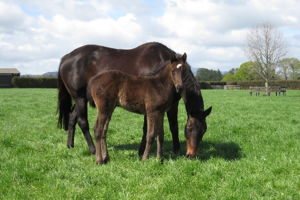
71	128
173	123
143	142
101	128
81	110
155	127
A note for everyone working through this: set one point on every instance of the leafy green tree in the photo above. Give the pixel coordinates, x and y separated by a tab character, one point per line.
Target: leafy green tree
289	68
246	72
230	76
208	75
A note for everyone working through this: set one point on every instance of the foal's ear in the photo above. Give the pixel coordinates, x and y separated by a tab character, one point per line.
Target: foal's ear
207	112
183	57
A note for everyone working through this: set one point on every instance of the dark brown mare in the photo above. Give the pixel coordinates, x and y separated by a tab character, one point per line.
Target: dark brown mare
78	67
151	96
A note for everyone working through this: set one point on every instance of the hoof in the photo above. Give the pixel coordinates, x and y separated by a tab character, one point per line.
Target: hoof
189	156
100	162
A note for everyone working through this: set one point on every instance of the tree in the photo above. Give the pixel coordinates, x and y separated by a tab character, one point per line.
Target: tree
265	47
208	75
246	72
289	68
230	76
284	67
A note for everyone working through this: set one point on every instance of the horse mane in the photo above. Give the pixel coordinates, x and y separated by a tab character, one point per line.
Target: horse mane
190	81
159	68
194	102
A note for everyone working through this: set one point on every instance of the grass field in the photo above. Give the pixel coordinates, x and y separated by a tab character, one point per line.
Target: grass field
250	151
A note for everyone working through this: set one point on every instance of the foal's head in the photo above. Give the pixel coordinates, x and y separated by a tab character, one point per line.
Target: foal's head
178	65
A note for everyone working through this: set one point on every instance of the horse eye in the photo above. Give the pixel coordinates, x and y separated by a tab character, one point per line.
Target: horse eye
173	71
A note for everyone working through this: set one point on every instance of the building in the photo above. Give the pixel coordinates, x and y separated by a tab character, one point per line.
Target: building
6	75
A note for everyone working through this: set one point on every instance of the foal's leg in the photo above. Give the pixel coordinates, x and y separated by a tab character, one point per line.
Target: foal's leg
81	110
71	127
104	151
155	127
173	123
100	128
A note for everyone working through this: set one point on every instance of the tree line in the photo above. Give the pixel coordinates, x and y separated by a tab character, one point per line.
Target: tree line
266	49
286	69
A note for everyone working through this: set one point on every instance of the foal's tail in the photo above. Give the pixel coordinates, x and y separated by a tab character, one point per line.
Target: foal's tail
64	104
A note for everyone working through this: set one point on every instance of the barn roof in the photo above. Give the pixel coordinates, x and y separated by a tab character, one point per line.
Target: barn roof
9	71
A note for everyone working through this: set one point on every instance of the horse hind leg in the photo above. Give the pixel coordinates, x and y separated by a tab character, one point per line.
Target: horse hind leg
81	110
71	127
143	142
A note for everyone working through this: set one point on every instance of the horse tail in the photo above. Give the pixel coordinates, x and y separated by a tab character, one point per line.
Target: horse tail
64	106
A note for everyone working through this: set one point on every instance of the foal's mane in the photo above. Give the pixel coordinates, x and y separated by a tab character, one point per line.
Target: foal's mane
160	67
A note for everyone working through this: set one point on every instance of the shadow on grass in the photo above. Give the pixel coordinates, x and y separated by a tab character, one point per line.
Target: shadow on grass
227	151
207	150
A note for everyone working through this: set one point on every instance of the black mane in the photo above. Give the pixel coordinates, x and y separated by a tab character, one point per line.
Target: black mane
192	95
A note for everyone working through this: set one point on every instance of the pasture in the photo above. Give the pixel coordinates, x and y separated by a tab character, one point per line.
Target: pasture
250	151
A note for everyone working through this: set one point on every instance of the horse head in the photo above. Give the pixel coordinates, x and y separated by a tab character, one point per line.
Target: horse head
194	131
178	65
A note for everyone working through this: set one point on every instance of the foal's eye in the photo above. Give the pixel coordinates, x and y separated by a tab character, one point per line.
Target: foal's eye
173	71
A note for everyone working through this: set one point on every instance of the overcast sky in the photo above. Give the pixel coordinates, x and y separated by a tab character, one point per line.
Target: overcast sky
35	34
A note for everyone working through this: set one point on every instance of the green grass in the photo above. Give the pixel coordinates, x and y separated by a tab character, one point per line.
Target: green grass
250	151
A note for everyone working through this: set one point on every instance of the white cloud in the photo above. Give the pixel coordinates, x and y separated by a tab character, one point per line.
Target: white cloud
35	34
12	18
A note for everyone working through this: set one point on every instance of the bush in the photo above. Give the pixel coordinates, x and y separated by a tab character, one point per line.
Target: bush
261	83
205	85
34	82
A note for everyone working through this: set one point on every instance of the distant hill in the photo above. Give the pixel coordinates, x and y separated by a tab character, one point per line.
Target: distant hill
54	74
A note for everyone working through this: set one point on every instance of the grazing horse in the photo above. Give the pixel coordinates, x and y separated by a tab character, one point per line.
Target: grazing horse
196	115
151	96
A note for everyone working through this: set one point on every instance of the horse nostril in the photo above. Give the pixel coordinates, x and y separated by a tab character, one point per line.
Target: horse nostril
188	156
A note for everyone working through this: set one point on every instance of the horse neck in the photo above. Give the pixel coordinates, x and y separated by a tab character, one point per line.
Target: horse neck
193	102
164	74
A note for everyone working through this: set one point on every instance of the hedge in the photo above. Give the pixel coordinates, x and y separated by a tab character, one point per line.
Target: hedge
34	82
246	84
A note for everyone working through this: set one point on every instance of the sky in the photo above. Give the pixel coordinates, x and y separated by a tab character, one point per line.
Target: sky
35	34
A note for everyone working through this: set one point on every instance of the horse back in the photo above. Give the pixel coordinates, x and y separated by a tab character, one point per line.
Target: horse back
79	66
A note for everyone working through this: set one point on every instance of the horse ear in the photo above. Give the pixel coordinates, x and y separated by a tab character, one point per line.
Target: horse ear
184	57
207	112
